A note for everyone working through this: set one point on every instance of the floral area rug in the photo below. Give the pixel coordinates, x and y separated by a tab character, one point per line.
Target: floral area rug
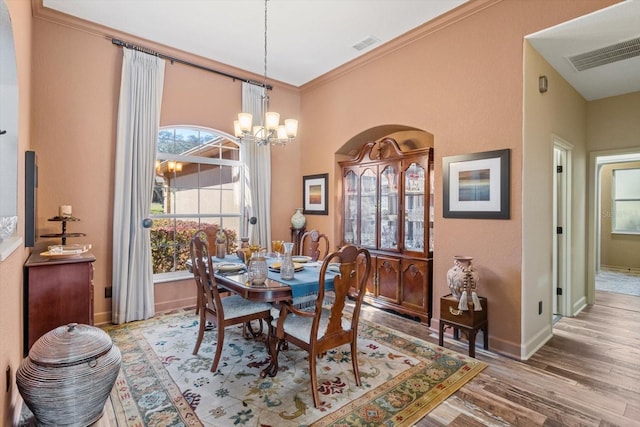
162	384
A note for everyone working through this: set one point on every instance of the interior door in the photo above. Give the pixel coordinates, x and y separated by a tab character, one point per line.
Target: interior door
561	227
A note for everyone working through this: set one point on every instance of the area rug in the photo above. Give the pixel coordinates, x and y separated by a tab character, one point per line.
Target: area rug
162	384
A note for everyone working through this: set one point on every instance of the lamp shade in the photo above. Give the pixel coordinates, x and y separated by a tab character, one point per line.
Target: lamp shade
272	120
291	125
245	120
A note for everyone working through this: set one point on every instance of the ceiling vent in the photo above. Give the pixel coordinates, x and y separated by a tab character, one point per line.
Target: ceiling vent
365	43
606	55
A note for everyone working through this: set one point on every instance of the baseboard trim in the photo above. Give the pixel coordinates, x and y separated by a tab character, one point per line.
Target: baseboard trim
619	269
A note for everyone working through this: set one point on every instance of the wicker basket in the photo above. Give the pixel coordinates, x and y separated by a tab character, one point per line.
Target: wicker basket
68	375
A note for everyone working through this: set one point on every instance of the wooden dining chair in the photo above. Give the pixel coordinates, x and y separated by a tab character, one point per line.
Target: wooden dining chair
221	312
314	244
325	326
212	234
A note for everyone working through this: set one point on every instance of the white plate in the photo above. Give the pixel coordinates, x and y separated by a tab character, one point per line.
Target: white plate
301	258
229	266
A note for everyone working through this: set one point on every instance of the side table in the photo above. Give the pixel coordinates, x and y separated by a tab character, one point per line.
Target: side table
469	321
296	235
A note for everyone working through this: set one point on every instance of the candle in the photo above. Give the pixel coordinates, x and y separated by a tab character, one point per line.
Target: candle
65	211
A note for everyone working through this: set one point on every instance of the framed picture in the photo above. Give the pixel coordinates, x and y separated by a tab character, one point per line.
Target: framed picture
315	194
476	185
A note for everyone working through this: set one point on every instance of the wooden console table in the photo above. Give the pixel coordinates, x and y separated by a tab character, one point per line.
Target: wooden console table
56	292
469	321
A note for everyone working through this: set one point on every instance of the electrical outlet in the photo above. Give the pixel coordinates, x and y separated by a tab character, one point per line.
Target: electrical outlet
107	291
539	307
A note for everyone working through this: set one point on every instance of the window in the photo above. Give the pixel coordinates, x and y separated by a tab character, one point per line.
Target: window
626	201
198	183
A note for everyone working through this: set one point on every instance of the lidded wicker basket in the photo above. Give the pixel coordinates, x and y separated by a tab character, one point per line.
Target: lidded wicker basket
68	375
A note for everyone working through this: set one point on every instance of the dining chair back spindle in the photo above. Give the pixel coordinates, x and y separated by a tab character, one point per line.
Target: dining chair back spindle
325	326
314	244
220	312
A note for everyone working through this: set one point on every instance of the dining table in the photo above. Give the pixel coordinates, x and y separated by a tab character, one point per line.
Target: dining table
231	274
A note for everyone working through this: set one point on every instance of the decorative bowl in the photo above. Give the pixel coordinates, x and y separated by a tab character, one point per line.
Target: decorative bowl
7	226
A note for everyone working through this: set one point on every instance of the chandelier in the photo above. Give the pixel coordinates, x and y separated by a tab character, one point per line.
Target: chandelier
268	130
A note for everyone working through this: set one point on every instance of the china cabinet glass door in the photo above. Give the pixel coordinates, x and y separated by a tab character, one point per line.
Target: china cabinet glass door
389	207
414	208
368	208
351	207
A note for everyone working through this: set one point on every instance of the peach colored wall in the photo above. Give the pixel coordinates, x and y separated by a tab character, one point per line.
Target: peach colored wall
77	85
561	112
11	268
613	123
461	80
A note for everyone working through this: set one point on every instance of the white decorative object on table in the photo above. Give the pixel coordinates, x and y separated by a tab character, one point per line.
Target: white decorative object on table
7	226
463	279
298	220
65	211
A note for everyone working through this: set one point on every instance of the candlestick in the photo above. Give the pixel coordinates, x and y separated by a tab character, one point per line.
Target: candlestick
65	211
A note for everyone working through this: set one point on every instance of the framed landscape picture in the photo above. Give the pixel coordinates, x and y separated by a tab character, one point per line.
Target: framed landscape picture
476	185
315	194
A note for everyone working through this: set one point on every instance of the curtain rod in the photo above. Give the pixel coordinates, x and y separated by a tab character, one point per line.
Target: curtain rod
182	61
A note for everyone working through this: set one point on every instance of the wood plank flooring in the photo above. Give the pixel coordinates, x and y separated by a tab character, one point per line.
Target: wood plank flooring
588	374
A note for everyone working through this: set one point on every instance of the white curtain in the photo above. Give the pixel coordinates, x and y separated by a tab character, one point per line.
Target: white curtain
137	139
258	171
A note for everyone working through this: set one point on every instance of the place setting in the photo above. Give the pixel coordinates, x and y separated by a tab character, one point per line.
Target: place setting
297	266
225	268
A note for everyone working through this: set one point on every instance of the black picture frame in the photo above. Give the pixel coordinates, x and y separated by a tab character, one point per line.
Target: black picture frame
315	194
477	185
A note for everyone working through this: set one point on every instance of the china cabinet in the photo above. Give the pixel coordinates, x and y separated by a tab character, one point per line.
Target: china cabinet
387	208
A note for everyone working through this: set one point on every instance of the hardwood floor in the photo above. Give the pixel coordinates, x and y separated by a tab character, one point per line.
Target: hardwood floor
588	374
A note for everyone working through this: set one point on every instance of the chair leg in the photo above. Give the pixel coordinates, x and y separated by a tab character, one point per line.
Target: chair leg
198	299
314	381
202	326
354	361
219	345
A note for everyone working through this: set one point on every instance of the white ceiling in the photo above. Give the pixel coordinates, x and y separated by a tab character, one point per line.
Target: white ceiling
614	24
308	38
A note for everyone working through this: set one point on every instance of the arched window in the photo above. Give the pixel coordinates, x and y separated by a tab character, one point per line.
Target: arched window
198	183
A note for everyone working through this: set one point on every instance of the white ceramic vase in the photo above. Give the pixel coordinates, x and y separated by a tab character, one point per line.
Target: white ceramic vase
298	220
